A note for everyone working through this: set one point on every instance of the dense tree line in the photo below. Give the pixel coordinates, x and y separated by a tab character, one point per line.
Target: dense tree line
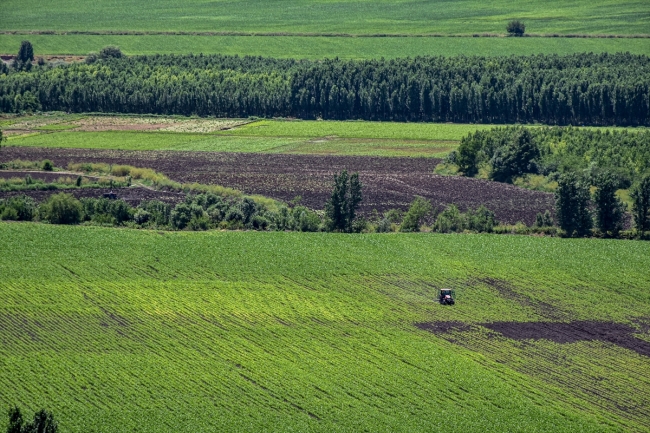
508	152
593	89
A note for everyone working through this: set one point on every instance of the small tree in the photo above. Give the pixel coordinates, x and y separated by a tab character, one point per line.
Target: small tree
419	208
640	195
516	28
342	206
110	52
481	220
572	205
25	57
450	220
609	209
61	208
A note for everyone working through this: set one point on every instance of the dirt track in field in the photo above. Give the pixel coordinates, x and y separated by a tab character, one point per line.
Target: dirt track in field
388	182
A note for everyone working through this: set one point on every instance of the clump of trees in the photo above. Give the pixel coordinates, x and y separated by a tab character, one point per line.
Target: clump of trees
593	89
510	152
43	422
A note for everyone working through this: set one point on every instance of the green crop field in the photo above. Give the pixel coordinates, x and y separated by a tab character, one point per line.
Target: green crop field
126	330
320	47
307	137
131	140
316	16
294	18
268	136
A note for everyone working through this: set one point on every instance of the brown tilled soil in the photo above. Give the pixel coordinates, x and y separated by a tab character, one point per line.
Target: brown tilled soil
388	182
558	332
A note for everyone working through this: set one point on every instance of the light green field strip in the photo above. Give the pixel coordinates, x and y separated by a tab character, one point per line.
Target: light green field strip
122	140
306	137
357	17
386	130
133	140
320	47
249	331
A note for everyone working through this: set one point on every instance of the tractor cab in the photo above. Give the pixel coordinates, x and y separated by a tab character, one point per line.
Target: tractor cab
446	297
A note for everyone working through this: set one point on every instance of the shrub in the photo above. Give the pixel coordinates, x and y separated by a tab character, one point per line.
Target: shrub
384	226
106	211
481	220
22	208
61	208
393	215
183	213
47	165
516	28
199	223
543	219
419	208
91	58
450	220
110	52
305	220
141	216
159	212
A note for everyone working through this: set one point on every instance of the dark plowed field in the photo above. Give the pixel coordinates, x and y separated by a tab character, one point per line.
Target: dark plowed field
388	182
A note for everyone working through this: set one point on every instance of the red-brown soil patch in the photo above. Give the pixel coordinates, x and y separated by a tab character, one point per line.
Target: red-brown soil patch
388	182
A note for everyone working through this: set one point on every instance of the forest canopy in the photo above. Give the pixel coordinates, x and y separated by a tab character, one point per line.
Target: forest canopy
580	89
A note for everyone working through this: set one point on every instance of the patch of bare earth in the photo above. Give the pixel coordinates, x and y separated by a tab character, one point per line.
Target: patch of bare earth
558	332
571	332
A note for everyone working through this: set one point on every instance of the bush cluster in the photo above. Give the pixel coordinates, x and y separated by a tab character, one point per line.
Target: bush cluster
198	212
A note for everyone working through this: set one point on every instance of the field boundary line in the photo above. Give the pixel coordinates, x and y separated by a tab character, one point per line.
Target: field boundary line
318	34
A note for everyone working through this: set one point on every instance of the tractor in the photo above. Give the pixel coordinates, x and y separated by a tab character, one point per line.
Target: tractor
446	297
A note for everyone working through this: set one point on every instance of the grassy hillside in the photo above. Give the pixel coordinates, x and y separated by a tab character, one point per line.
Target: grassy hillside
320	47
358	17
123	330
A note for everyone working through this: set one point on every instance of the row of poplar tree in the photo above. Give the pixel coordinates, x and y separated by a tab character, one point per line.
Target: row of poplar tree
589	89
